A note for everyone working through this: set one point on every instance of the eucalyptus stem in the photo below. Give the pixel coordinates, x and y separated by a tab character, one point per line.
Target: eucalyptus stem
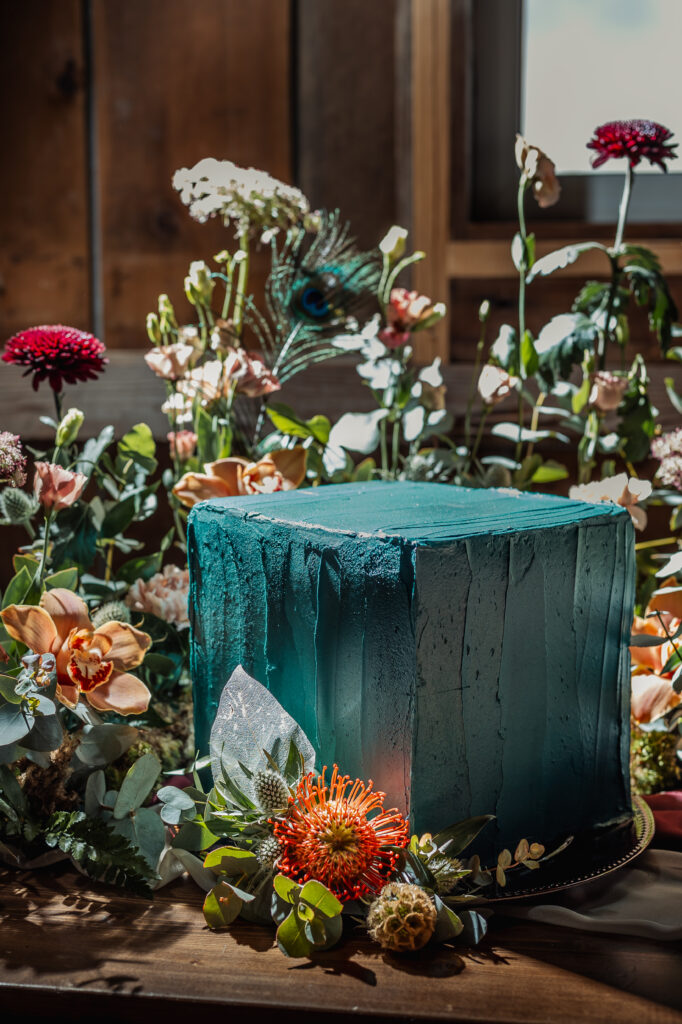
242	280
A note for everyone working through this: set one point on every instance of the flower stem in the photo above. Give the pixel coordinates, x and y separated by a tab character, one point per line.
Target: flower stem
395	448
615	266
534	420
658	543
479	432
472	387
624	206
242	280
520	195
46	544
384	448
58	405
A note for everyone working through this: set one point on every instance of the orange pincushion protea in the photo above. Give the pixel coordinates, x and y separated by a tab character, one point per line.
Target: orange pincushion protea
328	835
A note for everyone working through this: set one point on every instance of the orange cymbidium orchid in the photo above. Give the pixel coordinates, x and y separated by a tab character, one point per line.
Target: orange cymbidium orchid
282	470
89	661
652	688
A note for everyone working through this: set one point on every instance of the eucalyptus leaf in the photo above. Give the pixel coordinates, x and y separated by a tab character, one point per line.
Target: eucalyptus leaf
454	839
95	790
137	785
15	723
194	835
46	734
291	937
320	897
221	906
67	579
144	830
101	744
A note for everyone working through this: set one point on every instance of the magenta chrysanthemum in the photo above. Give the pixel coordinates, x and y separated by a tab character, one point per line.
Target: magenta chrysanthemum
635	140
57	354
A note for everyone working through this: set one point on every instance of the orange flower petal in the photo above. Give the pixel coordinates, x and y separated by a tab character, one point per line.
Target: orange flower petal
30	625
194	487
67	611
67	694
227	470
652	696
122	693
291	464
649	657
667	599
126	646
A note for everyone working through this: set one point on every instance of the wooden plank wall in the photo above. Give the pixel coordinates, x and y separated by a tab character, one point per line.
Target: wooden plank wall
102	101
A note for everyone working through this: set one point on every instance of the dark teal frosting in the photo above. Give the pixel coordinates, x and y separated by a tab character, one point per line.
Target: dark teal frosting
466	649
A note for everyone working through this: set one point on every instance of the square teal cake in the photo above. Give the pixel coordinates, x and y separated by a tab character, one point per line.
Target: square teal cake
465	649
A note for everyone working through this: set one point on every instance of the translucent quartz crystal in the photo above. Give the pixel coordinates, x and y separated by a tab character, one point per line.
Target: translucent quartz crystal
465	649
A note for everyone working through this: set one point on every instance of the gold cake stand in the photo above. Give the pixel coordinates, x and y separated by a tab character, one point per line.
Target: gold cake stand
589	857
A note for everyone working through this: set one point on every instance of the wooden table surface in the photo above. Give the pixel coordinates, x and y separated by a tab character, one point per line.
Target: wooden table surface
73	950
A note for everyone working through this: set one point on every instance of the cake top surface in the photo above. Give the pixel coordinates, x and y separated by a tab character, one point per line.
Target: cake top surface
423	513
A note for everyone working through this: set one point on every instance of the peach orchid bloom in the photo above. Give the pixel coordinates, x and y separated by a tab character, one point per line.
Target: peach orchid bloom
652	688
56	487
281	470
89	661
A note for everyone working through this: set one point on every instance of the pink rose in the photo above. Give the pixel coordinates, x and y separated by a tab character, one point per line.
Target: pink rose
183	444
56	487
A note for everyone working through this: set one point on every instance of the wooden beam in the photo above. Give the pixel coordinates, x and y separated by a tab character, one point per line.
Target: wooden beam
430	150
488	258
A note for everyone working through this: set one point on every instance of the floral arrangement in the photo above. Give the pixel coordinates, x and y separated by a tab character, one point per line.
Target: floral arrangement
94	688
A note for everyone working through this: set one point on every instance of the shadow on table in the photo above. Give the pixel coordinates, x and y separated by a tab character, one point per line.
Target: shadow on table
641	967
42	926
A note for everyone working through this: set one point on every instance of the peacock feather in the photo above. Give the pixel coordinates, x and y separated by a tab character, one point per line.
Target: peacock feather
319	285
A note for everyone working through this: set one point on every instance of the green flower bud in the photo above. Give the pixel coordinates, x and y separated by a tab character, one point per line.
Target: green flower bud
166	314
484	311
392	245
153	328
67	431
201	282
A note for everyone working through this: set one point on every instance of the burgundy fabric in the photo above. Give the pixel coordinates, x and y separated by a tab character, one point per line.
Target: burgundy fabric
667	808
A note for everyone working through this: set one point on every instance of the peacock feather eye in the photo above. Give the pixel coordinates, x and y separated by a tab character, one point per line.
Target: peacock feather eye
319	297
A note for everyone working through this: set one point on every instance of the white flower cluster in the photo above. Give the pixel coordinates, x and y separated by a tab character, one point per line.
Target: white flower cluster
251	199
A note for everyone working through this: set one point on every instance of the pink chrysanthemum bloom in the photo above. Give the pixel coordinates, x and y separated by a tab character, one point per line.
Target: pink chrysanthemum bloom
635	140
668	450
12	460
57	354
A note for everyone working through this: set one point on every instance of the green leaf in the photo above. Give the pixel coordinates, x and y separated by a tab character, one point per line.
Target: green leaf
7	685
137	785
291	937
561	258
15	723
194	835
67	579
474	926
18	588
358	431
529	357
11	789
285	420
675	399
286	888
46	734
31	562
221	906
549	472
119	516
145	831
137	446
102	744
230	860
319	426
205	431
518	252
318	895
448	924
93	450
562	344
140	568
454	839
95	789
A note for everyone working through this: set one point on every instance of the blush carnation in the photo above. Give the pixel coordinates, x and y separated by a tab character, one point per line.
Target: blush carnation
164	595
636	140
57	354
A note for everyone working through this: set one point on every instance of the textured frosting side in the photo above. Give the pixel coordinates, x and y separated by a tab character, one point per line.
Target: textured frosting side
325	623
523	681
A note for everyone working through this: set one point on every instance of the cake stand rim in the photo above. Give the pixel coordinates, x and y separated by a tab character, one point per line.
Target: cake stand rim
644	828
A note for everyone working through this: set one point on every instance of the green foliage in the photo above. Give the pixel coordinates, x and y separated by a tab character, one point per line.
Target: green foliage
103	853
308	917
